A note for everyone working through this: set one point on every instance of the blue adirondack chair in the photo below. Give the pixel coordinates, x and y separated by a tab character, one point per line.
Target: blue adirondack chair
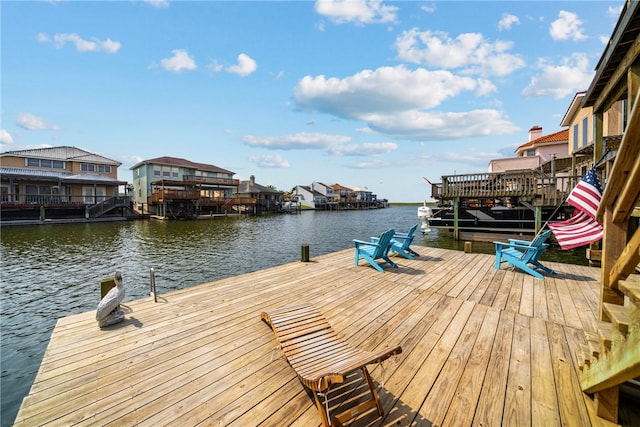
524	255
401	242
371	251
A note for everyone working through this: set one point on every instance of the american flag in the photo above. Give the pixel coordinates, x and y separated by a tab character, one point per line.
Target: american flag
587	194
582	228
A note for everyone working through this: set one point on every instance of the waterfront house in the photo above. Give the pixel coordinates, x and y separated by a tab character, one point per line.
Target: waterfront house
365	199
535	152
309	198
171	187
346	196
266	199
58	182
327	191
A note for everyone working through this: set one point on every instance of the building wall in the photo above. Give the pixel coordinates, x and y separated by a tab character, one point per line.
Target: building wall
514	163
546	151
581	130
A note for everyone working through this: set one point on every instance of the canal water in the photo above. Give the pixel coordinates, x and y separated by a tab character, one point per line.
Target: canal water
53	271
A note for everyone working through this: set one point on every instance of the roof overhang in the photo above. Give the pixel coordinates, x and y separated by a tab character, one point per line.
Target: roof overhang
609	83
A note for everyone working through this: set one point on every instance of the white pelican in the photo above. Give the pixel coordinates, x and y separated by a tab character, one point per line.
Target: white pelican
111	300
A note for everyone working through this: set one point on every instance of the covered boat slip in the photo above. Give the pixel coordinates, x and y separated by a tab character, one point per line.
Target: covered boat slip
479	346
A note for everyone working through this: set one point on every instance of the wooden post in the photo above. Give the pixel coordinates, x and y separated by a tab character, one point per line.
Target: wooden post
304	256
106	285
456	231
468	247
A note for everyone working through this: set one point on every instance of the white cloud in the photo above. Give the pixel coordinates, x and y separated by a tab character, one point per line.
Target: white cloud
470	52
567	27
395	101
428	8
157	3
385	89
507	21
179	61
572	75
366	149
82	45
269	161
430	126
5	137
356	11
30	122
246	65
335	145
298	141
614	11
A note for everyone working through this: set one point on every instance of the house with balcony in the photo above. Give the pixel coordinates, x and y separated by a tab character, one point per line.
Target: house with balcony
266	199
346	196
174	188
59	182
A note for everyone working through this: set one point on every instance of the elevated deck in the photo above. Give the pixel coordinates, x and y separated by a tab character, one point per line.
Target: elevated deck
480	346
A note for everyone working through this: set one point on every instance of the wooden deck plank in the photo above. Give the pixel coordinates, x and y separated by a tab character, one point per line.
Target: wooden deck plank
489	410
480	346
470	384
517	405
435	406
544	399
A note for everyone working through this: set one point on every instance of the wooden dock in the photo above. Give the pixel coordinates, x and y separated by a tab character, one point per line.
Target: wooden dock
480	347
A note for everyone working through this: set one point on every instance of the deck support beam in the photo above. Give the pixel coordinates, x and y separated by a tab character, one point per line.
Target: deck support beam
606	404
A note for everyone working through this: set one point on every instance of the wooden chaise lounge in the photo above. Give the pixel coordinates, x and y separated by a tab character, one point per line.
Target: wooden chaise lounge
321	358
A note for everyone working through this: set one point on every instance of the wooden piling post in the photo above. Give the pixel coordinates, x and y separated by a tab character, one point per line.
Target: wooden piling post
304	253
106	285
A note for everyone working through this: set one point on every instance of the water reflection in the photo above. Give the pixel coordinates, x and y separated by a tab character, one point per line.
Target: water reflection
50	272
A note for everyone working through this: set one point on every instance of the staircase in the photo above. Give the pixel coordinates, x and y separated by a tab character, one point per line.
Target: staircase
611	355
108	205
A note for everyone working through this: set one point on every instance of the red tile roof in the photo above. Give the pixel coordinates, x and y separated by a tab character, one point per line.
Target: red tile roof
559	136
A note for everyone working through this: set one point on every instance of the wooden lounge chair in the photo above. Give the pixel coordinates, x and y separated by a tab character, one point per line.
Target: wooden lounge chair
401	242
371	251
521	254
320	358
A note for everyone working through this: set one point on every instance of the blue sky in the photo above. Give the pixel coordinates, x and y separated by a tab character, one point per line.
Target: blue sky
361	93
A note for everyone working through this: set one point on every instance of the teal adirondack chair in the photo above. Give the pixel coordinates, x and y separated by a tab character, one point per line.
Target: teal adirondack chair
524	255
371	251
401	241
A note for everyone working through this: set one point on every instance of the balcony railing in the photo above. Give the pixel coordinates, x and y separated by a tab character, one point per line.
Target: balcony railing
48	200
211	180
525	184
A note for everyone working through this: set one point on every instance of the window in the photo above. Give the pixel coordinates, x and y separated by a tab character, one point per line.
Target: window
104	168
44	163
86	167
575	137
531	152
585	131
